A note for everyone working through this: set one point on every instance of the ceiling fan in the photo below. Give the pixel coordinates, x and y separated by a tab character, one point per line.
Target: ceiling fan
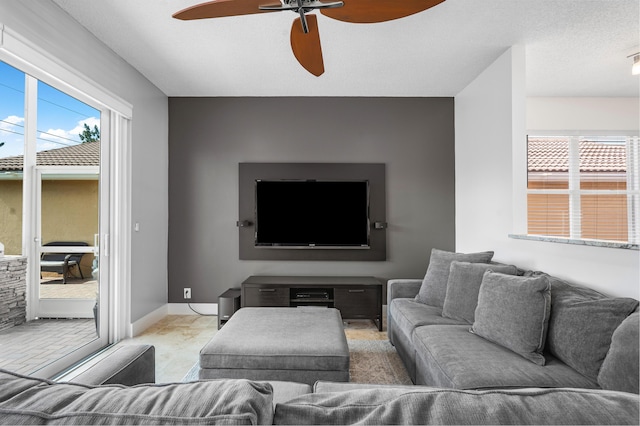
305	38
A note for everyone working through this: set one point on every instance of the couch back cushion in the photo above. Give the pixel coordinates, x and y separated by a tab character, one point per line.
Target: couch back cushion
27	400
581	324
513	312
423	405
434	285
463	287
620	367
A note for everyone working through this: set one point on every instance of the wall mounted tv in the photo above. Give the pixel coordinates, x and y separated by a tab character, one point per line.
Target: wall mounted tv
312	214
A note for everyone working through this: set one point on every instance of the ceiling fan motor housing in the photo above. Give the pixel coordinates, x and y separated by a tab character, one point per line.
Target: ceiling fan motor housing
298	5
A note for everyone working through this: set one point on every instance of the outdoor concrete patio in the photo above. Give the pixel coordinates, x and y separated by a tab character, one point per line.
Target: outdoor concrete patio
75	288
28	347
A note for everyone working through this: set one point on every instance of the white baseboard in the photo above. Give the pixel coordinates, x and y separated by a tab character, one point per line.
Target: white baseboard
199	308
147	321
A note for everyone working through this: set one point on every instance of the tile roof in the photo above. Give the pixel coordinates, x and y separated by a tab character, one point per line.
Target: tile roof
552	155
84	154
545	155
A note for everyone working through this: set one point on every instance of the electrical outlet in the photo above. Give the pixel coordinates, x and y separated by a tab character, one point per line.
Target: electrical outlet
187	293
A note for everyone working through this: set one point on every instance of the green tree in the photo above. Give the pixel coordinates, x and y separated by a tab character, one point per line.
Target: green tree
90	135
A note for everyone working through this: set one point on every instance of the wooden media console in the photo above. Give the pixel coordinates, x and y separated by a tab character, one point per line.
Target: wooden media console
354	297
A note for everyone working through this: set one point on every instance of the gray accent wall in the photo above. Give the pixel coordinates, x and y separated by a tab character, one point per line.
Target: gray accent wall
209	137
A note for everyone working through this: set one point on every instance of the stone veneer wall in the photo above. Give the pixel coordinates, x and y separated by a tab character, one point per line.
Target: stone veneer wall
13	287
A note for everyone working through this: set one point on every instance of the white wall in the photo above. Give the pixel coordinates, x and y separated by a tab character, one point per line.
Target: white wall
491	182
45	25
576	114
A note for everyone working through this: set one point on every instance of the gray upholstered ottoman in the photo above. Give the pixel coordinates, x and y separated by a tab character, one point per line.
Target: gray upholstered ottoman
292	344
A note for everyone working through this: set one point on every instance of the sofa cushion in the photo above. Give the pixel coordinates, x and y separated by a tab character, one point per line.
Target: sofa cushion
27	400
434	284
513	311
404	316
409	314
581	325
620	367
463	287
422	405
451	357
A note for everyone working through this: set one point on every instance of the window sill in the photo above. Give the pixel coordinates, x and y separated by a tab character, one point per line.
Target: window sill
561	240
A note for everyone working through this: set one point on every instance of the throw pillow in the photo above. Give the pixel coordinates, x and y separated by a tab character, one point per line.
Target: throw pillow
463	287
582	323
434	285
619	369
513	312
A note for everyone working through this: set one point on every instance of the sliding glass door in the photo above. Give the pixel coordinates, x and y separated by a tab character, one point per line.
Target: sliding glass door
65	208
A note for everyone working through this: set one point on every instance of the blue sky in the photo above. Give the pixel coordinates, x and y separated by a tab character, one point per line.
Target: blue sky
60	117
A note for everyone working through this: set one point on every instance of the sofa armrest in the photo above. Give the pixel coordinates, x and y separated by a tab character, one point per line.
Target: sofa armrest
324	386
285	391
402	288
127	365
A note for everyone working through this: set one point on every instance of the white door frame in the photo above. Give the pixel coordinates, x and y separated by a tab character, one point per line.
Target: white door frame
22	53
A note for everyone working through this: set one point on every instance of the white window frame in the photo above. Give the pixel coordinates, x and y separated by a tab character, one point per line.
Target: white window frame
574	192
633	187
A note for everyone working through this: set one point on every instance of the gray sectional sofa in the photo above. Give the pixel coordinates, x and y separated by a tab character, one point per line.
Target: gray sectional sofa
27	400
494	344
475	324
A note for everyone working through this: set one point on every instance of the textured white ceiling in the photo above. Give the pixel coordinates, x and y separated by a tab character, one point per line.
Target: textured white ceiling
573	48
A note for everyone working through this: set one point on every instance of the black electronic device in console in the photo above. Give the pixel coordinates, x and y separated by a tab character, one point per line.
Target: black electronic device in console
311	294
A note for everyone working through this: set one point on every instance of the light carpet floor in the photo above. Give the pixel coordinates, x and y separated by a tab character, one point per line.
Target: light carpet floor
376	361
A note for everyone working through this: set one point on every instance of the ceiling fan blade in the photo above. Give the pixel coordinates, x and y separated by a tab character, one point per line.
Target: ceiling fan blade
221	8
306	46
371	11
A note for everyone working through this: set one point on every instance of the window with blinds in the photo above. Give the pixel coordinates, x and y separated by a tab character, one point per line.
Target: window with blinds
584	187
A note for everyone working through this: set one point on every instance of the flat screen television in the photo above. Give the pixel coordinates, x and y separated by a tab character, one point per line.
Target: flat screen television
312	214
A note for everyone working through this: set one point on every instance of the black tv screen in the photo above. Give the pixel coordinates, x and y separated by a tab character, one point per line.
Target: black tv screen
312	214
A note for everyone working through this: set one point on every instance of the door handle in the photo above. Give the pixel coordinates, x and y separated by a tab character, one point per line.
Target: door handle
356	291
263	290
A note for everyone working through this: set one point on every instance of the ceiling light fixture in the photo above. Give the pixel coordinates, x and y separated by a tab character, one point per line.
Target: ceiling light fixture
635	70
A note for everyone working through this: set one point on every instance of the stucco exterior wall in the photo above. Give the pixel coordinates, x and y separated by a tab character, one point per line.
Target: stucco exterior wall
69	213
11	216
